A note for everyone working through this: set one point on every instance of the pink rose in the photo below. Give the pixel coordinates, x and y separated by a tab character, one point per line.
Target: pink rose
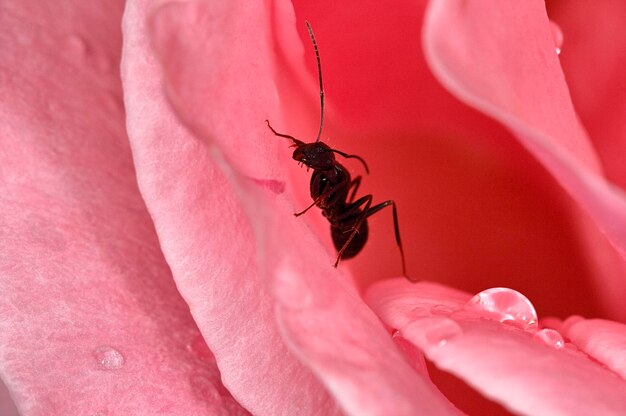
147	228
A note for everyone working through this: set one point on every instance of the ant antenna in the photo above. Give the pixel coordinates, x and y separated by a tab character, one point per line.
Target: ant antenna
319	76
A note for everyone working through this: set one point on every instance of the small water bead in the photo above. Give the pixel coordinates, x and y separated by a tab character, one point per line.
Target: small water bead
550	337
506	306
557	36
108	358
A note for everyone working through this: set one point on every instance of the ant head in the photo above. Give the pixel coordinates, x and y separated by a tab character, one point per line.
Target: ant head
317	155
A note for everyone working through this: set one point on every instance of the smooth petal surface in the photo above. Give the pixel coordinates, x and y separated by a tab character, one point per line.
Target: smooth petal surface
593	60
322	320
501	60
475	209
603	340
90	320
504	363
204	234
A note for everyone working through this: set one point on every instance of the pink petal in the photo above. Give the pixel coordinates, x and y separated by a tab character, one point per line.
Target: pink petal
500	58
502	362
603	340
475	209
210	248
7	407
320	317
515	76
593	61
90	319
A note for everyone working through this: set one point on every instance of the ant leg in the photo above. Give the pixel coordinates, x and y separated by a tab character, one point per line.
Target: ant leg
297	214
367	200
373	210
327	192
295	141
354	184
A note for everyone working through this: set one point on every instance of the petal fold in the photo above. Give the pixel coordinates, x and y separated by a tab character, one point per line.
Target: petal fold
91	322
500	59
603	340
321	319
502	362
204	234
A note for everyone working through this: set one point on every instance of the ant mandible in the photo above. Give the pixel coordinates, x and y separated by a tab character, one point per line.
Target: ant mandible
333	189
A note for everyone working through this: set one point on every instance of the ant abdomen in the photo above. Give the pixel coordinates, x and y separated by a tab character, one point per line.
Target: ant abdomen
341	235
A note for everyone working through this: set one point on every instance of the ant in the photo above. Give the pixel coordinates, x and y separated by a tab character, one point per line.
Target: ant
333	189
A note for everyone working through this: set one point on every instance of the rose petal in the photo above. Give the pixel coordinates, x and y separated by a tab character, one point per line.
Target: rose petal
90	319
603	340
210	249
7	407
500	59
321	319
515	76
504	363
474	207
593	59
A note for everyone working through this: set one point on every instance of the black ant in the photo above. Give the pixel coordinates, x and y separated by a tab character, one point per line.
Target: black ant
333	189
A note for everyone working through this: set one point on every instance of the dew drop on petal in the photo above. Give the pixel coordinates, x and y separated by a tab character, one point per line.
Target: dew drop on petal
436	330
505	305
550	337
108	358
557	36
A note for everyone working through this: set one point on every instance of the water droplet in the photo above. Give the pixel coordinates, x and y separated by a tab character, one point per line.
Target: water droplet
557	36
108	358
504	305
436	330
550	337
199	348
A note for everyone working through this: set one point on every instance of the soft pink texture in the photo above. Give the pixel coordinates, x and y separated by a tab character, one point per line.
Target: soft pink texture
476	210
321	319
603	340
500	58
504	363
7	407
593	60
212	252
81	266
